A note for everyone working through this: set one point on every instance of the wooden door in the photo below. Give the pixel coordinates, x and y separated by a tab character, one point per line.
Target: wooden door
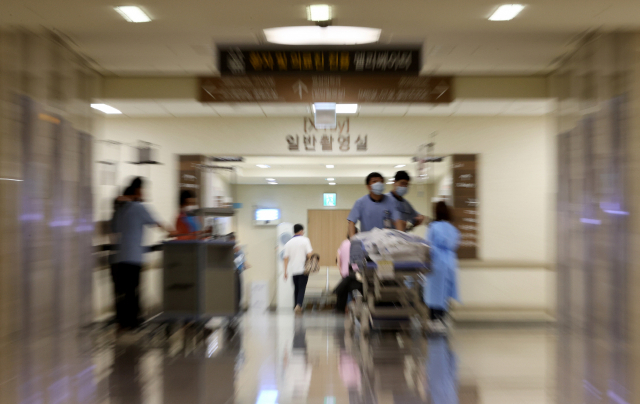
327	229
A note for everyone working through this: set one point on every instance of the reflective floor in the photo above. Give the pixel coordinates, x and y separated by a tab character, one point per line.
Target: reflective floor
279	359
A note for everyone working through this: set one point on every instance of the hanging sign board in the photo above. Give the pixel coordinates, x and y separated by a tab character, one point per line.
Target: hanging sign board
465	204
327	88
313	60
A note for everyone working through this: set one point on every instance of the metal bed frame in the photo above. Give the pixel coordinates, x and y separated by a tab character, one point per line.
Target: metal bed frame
390	302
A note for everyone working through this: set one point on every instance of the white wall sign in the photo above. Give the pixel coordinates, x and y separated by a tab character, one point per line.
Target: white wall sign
324	139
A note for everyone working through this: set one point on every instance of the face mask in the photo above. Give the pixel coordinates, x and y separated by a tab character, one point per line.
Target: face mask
402	191
377	188
191	209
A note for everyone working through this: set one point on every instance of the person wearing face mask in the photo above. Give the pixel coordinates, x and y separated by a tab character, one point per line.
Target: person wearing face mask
187	224
374	211
407	213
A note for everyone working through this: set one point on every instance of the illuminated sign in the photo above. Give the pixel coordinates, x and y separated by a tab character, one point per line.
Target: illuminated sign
330	199
237	61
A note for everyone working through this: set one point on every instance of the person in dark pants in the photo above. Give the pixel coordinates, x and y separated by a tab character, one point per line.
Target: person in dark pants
128	227
296	252
374	211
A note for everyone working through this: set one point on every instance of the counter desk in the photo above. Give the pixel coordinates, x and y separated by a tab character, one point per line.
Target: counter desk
200	280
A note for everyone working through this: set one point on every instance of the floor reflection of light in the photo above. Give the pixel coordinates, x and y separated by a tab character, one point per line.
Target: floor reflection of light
329	400
267	397
213	347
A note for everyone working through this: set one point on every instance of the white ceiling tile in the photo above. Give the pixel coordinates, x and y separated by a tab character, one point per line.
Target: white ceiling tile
139	108
433	109
238	109
187	108
482	107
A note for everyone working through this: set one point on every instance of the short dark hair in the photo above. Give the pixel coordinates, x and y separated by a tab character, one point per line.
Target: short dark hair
372	176
442	212
297	228
402	175
136	184
184	195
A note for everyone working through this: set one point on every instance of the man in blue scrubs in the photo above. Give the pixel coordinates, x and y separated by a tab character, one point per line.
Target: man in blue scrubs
373	211
407	213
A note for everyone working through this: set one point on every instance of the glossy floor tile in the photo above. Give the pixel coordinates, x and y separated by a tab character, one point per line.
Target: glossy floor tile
278	359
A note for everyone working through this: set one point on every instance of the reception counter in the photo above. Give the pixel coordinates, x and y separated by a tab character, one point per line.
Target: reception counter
200	280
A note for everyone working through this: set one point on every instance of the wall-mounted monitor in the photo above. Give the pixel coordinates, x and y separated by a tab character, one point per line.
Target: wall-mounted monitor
330	199
266	217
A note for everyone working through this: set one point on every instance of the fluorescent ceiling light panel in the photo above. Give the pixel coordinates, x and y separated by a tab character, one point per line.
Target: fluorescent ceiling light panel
319	12
506	12
313	35
107	109
330	179
330	166
263	166
346	108
273	183
401	165
332	183
133	14
270	179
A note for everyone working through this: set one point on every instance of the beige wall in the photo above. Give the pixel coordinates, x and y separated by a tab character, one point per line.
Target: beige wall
516	192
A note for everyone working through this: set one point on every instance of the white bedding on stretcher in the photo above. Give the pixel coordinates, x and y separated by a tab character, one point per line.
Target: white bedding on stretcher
394	245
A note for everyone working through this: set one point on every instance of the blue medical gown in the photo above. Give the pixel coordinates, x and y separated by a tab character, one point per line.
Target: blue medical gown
442	282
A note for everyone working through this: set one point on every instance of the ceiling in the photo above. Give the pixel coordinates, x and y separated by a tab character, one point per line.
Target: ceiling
313	171
460	107
456	36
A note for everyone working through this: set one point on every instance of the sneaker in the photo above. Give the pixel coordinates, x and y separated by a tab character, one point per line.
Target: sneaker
298	310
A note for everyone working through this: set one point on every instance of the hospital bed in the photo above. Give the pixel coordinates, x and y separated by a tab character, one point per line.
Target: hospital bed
390	299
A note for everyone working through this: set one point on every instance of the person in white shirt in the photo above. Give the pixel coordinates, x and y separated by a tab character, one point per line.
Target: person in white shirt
296	252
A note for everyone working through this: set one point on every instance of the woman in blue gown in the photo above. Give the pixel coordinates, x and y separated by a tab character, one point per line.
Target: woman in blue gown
442	283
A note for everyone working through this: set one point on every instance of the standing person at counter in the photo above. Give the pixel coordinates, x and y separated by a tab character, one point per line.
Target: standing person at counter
128	226
296	252
187	224
407	213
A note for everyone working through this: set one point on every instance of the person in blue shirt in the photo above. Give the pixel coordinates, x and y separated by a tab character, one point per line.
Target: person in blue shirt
373	211
408	215
128	223
442	283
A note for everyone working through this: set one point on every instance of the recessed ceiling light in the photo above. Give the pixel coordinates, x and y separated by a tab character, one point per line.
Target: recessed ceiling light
273	183
133	14
332	183
319	12
330	166
330	179
401	165
263	166
506	12
332	35
107	109
346	108
270	179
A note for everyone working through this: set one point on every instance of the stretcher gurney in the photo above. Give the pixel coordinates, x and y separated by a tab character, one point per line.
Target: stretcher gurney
390	301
